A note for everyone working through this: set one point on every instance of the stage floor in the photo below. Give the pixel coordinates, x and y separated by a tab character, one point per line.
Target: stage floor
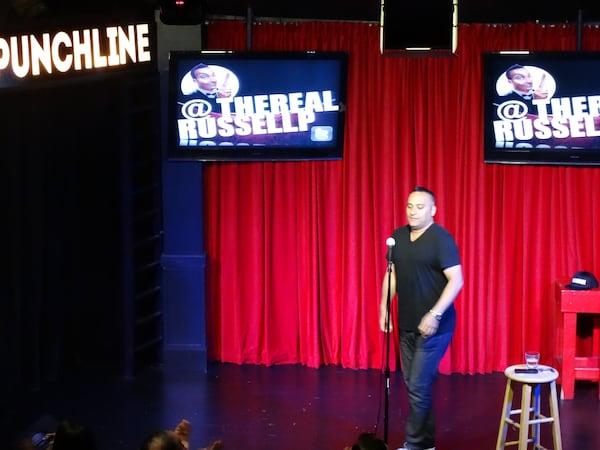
291	407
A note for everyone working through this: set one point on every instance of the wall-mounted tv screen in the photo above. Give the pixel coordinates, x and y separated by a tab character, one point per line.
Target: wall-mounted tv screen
256	106
542	107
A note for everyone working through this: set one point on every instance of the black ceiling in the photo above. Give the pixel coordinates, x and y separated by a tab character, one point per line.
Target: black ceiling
470	11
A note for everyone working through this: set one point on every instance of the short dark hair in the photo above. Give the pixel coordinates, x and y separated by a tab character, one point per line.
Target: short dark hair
196	67
71	435
424	189
165	439
368	441
511	68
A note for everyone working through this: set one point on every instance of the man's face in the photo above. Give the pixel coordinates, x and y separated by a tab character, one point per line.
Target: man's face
420	210
521	80
206	79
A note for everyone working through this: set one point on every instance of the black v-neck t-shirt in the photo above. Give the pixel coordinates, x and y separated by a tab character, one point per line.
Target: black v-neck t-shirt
420	279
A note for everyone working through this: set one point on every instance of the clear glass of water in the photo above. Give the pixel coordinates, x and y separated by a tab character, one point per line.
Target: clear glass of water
532	359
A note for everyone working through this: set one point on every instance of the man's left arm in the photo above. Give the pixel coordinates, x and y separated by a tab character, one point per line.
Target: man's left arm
455	283
430	321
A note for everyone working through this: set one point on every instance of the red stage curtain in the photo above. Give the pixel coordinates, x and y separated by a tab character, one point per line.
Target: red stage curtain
296	250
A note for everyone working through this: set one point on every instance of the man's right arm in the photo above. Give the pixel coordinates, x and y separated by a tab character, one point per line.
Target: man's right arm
388	283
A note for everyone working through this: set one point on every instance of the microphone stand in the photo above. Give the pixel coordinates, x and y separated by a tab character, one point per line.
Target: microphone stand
387	350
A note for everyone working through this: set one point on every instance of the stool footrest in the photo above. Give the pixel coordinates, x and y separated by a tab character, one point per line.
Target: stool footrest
536	446
506	444
512	412
539	419
513	422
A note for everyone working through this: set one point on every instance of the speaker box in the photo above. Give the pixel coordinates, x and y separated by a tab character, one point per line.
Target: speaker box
419	26
181	12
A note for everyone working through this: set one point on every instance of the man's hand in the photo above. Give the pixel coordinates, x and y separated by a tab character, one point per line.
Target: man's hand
541	92
183	430
383	323
428	325
217	445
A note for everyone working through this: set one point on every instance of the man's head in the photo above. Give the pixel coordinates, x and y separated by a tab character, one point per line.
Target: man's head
520	79
420	208
205	78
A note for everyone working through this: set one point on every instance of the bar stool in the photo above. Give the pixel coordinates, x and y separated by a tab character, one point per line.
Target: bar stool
530	417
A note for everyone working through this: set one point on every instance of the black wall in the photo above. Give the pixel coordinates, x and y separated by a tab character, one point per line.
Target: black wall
61	160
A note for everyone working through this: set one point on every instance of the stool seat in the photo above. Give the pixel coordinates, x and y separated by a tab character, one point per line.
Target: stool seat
530	417
545	374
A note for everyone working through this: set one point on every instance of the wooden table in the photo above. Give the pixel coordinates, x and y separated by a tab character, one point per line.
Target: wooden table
568	304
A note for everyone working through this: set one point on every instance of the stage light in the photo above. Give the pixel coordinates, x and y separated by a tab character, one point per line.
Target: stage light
181	12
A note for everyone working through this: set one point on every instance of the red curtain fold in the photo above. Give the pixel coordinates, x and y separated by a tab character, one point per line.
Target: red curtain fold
296	251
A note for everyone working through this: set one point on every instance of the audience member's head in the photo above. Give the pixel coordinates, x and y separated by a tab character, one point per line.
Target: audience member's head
162	440
368	441
71	435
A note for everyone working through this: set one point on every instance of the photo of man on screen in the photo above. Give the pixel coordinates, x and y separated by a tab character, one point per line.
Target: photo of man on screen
207	83
525	84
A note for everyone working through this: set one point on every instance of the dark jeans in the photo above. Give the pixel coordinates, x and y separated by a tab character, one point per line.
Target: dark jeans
420	361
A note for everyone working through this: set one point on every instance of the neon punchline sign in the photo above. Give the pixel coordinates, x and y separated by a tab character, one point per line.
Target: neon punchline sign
32	56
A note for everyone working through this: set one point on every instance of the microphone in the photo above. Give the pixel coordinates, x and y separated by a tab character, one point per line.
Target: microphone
390	242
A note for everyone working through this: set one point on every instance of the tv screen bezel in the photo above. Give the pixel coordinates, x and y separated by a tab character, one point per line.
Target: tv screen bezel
332	151
539	156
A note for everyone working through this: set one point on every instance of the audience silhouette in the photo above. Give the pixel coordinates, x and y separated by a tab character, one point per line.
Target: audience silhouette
178	439
368	441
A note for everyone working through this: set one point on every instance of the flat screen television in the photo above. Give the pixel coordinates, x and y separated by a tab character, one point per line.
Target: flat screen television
542	108
256	106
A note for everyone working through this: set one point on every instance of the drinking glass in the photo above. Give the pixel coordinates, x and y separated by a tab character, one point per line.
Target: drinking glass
532	359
